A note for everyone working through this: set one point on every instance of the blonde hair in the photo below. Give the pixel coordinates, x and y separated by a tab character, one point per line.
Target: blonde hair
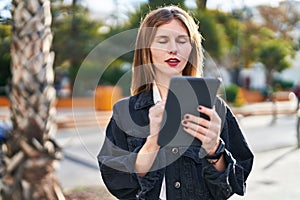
142	68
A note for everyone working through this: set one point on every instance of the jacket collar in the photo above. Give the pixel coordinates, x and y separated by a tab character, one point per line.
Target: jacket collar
144	99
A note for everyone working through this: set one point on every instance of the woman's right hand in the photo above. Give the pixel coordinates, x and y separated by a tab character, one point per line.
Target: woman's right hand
155	118
148	152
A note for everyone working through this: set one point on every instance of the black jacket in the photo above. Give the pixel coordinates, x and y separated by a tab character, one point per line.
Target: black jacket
187	175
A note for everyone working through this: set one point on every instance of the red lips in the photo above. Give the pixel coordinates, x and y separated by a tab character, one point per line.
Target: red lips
172	62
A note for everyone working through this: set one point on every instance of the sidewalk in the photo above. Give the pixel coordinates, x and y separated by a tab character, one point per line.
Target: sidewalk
266	108
275	176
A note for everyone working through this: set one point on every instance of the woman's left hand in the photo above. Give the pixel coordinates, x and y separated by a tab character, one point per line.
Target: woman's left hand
207	131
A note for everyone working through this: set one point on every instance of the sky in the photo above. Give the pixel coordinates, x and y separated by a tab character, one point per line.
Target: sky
3	12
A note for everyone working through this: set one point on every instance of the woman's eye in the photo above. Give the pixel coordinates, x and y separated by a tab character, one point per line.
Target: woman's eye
162	41
182	41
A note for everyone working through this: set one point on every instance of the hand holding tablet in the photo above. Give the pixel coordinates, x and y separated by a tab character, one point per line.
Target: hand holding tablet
184	96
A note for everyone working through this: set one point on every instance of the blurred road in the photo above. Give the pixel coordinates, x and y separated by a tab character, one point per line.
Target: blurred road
276	170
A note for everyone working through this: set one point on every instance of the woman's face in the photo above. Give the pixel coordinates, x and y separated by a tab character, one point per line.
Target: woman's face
170	49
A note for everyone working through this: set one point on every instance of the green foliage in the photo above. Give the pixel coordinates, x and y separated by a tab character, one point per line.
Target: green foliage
5	58
112	74
228	36
158	3
75	35
232	27
274	53
5	31
115	75
136	17
231	92
283	84
212	32
251	37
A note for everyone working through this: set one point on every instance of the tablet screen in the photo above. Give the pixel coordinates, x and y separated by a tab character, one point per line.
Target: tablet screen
184	96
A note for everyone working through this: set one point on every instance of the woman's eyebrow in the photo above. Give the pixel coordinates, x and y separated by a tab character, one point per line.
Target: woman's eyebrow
183	36
161	36
165	36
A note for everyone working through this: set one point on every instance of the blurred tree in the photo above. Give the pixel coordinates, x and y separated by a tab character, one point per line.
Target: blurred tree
31	152
281	19
5	58
75	35
201	4
251	37
158	3
231	25
274	55
5	39
231	34
215	40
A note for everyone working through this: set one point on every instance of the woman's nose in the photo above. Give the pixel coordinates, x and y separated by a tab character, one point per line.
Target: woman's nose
172	49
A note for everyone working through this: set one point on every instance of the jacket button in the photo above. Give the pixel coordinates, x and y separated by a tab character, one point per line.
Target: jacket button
177	184
138	195
175	150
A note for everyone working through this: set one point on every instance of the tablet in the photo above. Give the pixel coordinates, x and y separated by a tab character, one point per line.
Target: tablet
184	96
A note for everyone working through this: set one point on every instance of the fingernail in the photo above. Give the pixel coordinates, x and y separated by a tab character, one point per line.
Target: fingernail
186	117
199	107
184	122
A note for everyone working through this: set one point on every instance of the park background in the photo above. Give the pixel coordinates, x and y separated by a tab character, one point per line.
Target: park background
254	49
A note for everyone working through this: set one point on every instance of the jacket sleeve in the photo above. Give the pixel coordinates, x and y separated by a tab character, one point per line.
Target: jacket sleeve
117	164
239	160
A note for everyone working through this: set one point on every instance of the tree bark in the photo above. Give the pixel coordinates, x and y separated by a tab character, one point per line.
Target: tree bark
29	172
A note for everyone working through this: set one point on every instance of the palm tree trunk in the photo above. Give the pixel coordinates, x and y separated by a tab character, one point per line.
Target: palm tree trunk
31	150
201	4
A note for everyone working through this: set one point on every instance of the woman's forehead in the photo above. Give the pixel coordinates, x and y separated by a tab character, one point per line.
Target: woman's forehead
173	27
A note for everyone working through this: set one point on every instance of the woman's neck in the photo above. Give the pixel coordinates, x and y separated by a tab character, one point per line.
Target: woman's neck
163	87
163	92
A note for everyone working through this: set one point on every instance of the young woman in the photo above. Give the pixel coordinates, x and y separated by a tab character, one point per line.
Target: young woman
132	164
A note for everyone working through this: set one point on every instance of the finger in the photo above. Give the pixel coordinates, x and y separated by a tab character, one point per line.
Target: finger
200	129
211	132
197	120
195	134
211	112
206	110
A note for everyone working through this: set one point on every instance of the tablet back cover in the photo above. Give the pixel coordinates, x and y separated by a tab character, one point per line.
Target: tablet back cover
184	96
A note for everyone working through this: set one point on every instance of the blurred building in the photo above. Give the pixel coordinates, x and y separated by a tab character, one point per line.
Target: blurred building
254	77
